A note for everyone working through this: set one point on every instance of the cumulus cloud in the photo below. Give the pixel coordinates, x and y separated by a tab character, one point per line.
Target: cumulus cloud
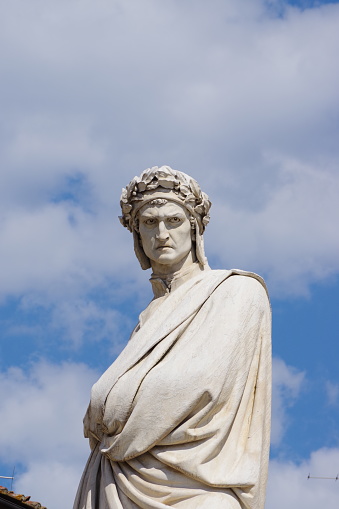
41	413
291	237
40	408
57	241
286	387
51	482
288	484
84	320
244	97
290	487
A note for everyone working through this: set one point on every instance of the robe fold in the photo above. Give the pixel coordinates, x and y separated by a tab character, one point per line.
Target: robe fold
182	417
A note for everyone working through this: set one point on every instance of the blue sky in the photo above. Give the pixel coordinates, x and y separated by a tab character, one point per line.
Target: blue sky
242	95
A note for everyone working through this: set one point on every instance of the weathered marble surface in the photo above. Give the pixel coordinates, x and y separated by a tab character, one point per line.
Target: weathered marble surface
182	417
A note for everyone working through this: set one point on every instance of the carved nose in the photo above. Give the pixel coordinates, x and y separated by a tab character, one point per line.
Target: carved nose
162	232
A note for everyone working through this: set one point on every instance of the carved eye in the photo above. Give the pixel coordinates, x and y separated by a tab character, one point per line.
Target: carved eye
150	221
174	220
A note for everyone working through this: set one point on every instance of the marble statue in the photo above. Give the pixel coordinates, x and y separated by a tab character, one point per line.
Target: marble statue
182	417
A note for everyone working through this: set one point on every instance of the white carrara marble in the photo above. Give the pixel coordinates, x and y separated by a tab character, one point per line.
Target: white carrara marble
182	417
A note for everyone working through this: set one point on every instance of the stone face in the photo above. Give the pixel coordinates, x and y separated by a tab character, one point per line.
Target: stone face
165	234
182	417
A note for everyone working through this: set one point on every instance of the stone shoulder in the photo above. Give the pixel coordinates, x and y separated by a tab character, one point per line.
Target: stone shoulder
244	289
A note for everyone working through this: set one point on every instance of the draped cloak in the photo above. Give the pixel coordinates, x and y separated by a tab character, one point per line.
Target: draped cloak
182	417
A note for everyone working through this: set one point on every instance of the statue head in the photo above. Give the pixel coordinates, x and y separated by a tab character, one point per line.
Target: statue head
160	186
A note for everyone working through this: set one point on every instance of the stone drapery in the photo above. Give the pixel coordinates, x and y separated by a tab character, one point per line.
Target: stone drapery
182	417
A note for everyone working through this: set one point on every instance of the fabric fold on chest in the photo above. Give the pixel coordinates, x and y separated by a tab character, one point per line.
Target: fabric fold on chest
171	314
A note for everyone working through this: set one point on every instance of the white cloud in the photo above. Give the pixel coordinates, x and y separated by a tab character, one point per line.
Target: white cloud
289	486
286	387
42	409
60	247
41	415
85	320
109	90
291	236
50	482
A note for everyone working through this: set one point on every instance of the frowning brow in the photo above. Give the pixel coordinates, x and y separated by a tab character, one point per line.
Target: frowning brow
148	215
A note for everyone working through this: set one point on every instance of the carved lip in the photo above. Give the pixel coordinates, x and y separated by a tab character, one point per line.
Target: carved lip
164	247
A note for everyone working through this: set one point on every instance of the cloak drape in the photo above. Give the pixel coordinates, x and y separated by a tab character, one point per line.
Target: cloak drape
182	417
